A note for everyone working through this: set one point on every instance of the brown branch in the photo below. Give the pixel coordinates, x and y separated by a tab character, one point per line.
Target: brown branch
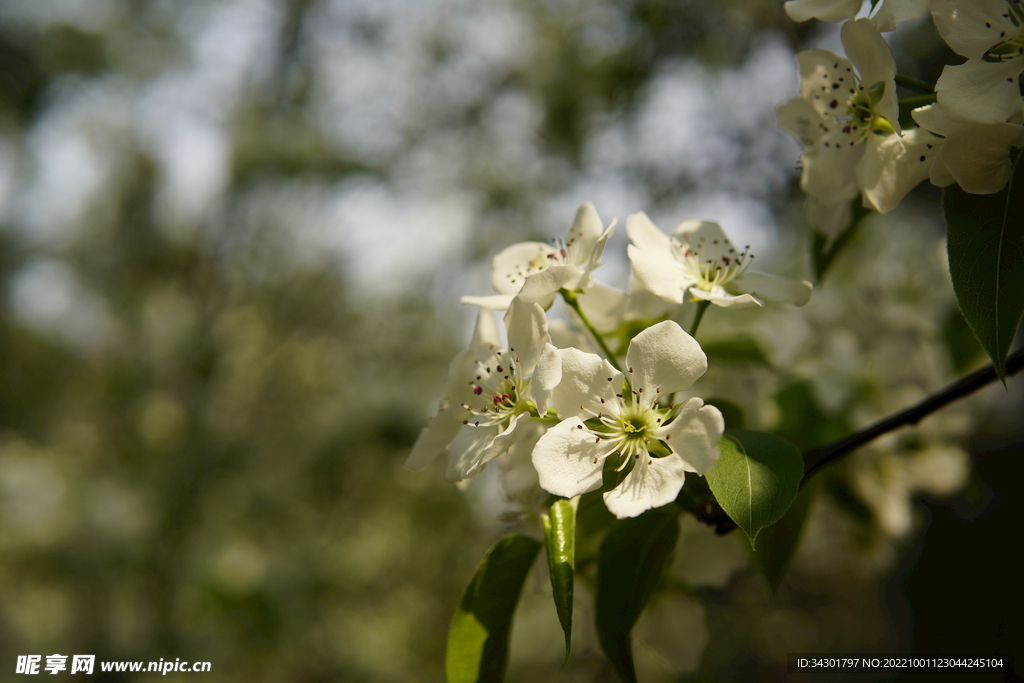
816	458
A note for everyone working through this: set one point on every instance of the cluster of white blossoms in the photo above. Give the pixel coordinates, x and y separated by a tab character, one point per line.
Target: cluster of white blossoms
620	422
847	114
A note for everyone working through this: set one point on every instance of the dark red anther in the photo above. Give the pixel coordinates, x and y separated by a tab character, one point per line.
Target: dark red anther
478	390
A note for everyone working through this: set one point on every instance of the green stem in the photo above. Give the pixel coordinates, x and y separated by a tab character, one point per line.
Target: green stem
701	307
917	101
574	304
914	84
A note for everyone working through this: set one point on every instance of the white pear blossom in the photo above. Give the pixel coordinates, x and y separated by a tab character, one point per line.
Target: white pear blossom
488	394
886	15
974	155
606	415
990	33
700	262
847	118
535	271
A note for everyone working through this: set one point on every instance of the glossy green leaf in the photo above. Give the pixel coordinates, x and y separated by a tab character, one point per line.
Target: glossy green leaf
985	241
776	545
478	638
756	479
632	559
560	543
964	349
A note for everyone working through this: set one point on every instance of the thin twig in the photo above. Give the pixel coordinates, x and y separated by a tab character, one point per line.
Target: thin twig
816	458
914	84
701	307
574	304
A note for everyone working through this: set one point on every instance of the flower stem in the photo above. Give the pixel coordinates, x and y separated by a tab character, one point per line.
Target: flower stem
574	304
917	101
701	307
914	84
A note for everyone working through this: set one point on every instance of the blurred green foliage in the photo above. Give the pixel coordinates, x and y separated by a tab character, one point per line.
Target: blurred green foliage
216	475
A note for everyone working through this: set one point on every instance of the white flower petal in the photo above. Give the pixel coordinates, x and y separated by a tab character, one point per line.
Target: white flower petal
801	119
977	156
466	452
463	367
872	58
541	288
587	238
973	27
821	69
589	385
495	302
830	172
546	377
939	174
774	288
527	328
595	256
564	336
935	118
985	92
511	266
604	306
894	165
724	299
707	236
570	459
659	273
694	435
485	331
504	440
436	436
645	234
825	10
654	266
584	234
664	359
653	482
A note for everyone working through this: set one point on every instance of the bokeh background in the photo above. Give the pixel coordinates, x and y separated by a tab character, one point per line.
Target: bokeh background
233	234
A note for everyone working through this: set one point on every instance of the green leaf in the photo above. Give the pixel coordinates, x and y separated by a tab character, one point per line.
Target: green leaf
985	241
560	542
632	559
478	638
961	343
756	479
776	545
